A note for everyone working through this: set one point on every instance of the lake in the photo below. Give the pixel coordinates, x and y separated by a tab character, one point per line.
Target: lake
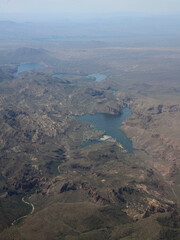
98	76
110	125
27	67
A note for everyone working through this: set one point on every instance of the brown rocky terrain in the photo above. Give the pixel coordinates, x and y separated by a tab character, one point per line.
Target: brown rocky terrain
156	131
94	192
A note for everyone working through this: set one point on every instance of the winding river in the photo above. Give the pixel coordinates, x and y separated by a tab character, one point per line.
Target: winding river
32	211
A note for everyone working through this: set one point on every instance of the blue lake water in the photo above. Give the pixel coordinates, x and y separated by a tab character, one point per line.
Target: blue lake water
60	75
97	76
27	67
114	91
110	125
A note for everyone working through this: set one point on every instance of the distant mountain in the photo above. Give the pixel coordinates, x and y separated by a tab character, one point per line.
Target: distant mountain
29	52
23	55
11	30
7	23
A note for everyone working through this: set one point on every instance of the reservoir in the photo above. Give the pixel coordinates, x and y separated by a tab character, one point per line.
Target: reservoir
110	124
97	76
27	67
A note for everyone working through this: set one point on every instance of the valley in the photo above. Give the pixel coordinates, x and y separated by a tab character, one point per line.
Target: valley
53	188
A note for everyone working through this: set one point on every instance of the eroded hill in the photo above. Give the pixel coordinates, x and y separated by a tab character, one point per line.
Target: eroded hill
96	192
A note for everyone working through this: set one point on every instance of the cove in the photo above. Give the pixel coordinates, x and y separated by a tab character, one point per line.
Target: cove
110	124
98	76
27	67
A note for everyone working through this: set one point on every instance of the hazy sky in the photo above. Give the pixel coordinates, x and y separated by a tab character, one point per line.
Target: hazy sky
89	6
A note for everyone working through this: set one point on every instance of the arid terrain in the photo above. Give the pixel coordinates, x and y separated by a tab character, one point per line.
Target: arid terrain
53	188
